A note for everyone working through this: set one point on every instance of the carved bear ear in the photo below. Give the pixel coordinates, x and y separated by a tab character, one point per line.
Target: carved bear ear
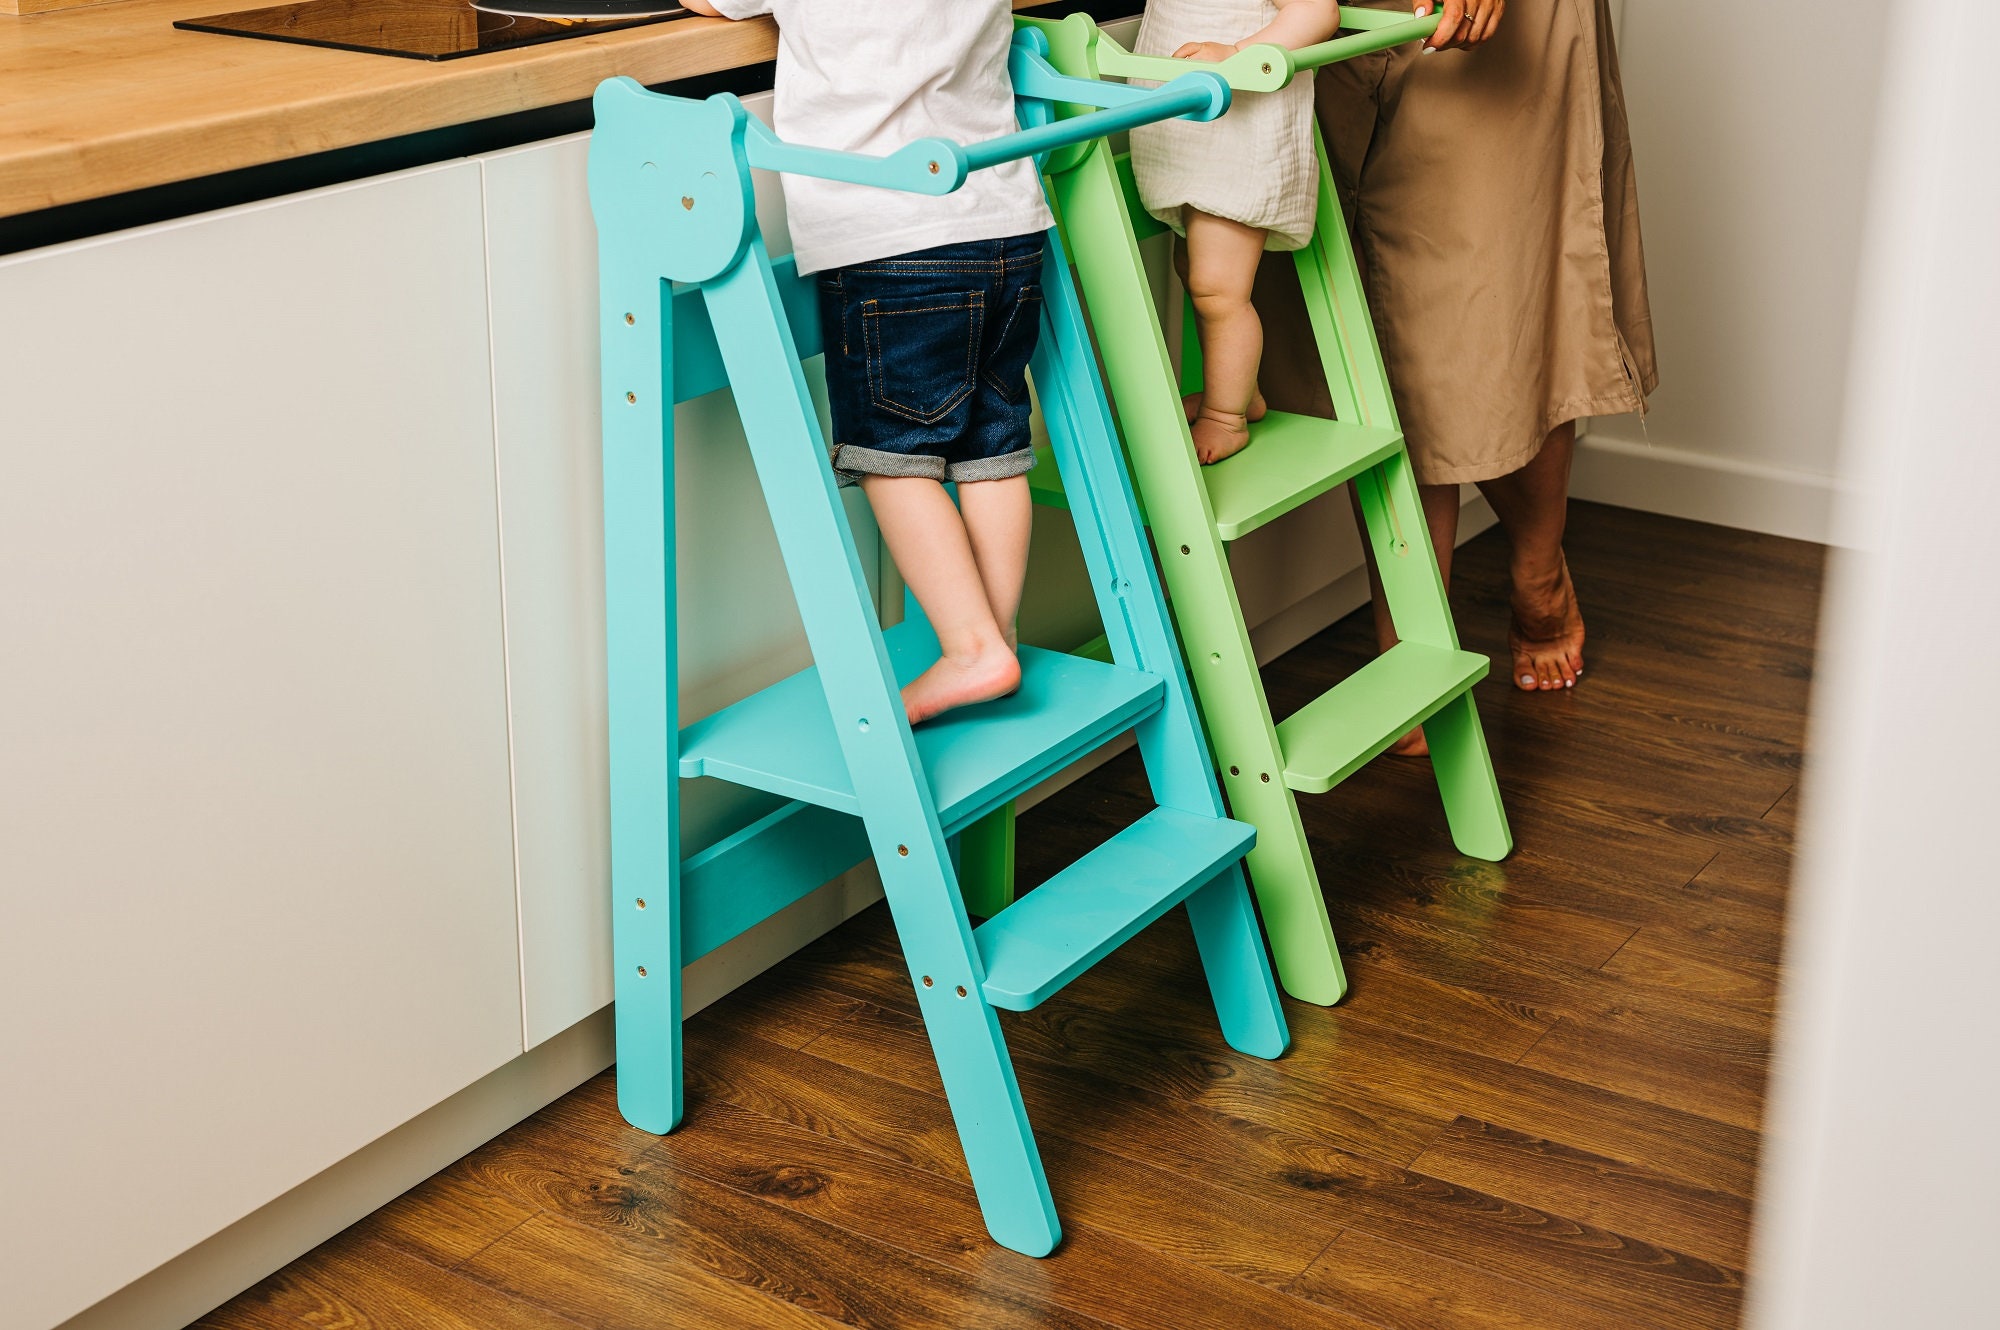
667	178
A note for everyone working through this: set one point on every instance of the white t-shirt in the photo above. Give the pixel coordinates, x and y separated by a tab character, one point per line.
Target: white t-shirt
871	75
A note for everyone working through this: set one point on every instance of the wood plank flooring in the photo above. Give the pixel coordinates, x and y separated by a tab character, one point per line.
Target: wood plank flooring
1538	1107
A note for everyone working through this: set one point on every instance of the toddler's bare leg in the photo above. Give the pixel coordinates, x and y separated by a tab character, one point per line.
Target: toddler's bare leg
999	517
1222	267
929	541
1191	402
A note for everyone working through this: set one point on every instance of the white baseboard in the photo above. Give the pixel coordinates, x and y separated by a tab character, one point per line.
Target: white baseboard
266	1239
214	1271
1704	487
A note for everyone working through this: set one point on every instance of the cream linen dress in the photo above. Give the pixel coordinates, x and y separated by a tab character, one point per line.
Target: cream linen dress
1256	164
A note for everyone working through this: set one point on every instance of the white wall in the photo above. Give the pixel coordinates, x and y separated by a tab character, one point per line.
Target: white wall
1751	130
1877	1203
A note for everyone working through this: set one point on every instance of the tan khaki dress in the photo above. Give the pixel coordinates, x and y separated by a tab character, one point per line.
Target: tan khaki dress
1494	210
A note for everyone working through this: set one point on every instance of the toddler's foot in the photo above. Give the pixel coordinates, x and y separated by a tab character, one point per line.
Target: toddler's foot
950	682
1191	403
1546	635
1220	434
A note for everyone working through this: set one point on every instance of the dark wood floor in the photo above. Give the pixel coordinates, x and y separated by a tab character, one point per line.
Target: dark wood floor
1538	1107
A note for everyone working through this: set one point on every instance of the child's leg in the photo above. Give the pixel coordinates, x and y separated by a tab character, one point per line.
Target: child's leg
1191	402
999	517
1222	267
929	541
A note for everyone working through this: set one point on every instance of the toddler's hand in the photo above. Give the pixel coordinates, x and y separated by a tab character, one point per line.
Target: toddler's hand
1213	52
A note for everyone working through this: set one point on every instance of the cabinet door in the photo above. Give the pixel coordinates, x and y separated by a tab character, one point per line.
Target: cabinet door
255	847
738	628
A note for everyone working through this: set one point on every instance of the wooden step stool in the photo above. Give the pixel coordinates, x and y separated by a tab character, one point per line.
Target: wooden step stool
691	303
1195	511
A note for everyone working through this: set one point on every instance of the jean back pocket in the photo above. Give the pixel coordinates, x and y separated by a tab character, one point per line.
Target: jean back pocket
923	352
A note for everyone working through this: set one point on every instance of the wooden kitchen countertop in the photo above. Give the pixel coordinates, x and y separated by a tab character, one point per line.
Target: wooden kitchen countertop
110	98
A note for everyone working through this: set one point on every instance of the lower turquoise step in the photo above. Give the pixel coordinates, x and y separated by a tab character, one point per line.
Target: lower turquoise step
1066	925
1328	739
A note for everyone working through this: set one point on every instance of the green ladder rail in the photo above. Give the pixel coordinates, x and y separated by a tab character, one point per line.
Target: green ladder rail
1195	511
691	302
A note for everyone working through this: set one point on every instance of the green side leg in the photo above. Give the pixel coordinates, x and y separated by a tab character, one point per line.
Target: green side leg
986	863
1196	571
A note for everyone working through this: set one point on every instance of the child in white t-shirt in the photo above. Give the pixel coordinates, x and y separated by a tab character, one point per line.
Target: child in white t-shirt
930	306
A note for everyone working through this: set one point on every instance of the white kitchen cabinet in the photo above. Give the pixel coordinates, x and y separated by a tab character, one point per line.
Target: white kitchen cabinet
257	899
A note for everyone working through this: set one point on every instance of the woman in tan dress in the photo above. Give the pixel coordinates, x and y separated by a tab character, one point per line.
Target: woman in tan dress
1491	195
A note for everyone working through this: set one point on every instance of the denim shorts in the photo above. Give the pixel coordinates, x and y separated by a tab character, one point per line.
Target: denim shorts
927	357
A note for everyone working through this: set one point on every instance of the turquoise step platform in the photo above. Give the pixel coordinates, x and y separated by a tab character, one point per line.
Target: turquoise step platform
975	759
1082	914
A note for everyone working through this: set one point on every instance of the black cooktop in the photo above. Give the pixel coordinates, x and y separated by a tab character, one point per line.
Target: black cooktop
431	29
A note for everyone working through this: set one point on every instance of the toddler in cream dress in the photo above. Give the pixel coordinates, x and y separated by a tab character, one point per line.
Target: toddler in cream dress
1232	188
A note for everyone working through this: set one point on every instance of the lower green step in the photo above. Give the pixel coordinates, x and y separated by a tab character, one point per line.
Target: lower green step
1329	739
1066	925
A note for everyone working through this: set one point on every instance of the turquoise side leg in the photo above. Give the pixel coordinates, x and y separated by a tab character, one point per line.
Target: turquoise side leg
641	679
1141	636
1238	970
903	829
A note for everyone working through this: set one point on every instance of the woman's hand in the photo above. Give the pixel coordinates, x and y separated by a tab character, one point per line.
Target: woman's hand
1461	23
1213	52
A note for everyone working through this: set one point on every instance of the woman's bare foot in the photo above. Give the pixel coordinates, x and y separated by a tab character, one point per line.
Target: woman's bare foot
1546	635
1220	434
1191	403
950	683
1412	744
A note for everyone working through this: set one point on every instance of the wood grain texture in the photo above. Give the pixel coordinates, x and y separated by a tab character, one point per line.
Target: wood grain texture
1537	1109
110	98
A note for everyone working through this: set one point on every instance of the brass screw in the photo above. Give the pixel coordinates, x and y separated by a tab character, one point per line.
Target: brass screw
642	972
642	902
927	981
1234	772
631	397
1264	776
688	202
934	168
1267	66
961	990
630	319
903	850
1184	549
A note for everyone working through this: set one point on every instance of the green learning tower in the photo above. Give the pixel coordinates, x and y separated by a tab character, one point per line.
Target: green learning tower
691	303
1196	511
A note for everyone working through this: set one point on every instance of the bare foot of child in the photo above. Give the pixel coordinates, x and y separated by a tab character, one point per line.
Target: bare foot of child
1220	434
1546	635
1191	403
950	683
